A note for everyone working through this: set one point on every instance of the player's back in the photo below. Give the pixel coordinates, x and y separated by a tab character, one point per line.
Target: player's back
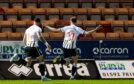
32	34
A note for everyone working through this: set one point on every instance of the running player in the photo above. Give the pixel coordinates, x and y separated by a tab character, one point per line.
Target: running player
31	38
69	44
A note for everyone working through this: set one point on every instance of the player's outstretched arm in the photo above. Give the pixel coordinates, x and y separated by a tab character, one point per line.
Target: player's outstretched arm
53	29
91	31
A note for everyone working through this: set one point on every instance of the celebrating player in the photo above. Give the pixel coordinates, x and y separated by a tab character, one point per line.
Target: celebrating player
69	44
31	38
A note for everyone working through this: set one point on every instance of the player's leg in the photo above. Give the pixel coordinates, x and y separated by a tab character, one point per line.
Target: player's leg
74	64
41	66
28	61
74	67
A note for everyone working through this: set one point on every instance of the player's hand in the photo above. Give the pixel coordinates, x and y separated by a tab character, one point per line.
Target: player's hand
49	48
99	27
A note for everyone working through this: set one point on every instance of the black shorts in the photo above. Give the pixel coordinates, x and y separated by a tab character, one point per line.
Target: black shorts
32	52
69	53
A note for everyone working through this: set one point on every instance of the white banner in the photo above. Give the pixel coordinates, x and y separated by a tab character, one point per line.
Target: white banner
116	69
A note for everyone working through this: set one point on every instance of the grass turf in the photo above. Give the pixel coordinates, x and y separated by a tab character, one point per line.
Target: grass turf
67	82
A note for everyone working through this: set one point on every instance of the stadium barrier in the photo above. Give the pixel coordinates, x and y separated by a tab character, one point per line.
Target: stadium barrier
102	49
86	70
110	59
111	69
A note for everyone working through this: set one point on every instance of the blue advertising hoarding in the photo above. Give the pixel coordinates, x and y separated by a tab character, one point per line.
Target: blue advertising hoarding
98	49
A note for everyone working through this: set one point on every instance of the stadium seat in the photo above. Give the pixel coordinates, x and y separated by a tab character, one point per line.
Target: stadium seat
113	3
17	3
2	14
126	3
61	23
108	14
66	13
98	35
45	3
59	3
11	13
19	26
39	13
4	3
3	36
100	3
86	3
30	3
46	35
89	24
25	13
114	35
129	26
126	35
47	22
131	13
28	22
94	14
106	26
81	13
56	36
83	37
122	13
117	25
72	3
14	36
12	19
6	26
79	24
52	13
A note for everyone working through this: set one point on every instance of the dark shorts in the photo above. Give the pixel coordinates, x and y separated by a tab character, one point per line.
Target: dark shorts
69	53
32	52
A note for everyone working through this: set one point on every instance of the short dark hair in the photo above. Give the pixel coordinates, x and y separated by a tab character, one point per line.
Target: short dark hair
74	19
37	20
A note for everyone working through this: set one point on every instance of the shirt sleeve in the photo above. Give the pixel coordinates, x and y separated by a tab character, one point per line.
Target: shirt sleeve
63	29
80	30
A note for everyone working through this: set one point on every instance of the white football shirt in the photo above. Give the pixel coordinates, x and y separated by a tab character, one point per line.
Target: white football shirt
71	34
32	35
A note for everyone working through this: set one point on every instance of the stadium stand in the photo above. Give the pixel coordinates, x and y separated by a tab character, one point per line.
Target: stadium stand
129	26
56	35
6	26
126	35
3	36
39	13
46	35
52	13
19	3
98	35
59	3
81	13
14	36
116	16
66	13
94	14
114	35
45	3
5	3
108	14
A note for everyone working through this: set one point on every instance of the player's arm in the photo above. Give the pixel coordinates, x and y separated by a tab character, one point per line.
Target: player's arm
53	29
91	31
24	39
41	38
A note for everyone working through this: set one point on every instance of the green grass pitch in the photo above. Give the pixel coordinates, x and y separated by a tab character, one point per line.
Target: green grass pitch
67	82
